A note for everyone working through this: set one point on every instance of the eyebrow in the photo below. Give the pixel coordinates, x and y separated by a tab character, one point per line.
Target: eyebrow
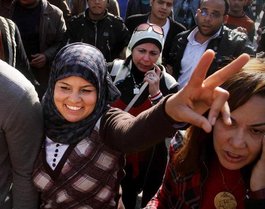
214	11
258	124
88	85
252	125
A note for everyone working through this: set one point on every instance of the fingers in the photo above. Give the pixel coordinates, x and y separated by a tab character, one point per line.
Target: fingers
257	181
263	150
220	76
218	105
157	70
200	71
197	120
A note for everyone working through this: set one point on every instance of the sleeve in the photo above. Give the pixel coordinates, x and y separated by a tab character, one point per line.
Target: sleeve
255	199
248	47
124	35
113	7
22	63
165	197
255	204
158	201
23	132
127	133
59	27
261	43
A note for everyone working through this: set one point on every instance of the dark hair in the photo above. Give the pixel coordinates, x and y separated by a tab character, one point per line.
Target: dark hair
226	5
249	82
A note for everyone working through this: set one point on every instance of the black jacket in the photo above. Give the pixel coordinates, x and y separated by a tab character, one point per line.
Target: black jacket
175	28
227	46
109	34
14	51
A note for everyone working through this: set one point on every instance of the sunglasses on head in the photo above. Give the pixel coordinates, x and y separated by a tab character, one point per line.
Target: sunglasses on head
146	26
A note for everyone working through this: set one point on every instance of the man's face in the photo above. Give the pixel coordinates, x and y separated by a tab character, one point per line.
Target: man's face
161	9
237	5
210	16
28	3
97	7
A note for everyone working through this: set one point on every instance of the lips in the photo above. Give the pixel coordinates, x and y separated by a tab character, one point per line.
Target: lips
162	13
74	108
206	26
232	157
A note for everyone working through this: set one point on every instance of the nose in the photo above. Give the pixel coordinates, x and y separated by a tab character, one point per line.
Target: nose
146	57
208	17
164	6
238	139
74	97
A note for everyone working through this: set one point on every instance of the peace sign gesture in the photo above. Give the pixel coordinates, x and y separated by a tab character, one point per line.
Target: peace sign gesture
200	94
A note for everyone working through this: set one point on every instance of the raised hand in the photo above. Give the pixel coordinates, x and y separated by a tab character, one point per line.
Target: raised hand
257	180
152	77
200	94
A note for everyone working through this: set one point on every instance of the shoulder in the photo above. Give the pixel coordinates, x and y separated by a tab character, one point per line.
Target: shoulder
10	75
177	26
135	20
115	22
137	17
114	18
7	25
181	37
183	34
170	81
115	66
77	18
50	8
16	89
232	34
76	22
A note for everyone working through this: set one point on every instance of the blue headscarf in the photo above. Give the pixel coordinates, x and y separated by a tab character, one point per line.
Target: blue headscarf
86	61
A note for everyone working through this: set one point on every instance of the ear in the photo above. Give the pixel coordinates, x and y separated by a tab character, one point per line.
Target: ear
196	16
225	18
151	2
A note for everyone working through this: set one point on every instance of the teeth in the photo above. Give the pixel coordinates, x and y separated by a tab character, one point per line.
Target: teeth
73	108
232	155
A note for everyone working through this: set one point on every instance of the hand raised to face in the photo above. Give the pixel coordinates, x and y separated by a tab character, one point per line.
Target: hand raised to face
202	94
257	180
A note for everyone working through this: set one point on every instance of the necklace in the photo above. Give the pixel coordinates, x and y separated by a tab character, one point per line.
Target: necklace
136	89
226	199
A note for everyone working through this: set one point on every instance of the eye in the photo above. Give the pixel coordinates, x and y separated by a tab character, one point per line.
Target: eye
87	91
142	51
204	12
169	4
255	131
153	53
64	88
216	15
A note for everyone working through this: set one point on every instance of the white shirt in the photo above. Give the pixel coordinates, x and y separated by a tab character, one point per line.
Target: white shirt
54	152
165	28
192	55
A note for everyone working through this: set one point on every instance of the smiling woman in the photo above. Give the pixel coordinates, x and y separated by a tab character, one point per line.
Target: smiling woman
75	98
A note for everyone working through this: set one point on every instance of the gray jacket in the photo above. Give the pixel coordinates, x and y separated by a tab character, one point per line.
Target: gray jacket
20	139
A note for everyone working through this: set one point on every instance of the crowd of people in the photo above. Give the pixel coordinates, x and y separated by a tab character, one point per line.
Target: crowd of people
105	99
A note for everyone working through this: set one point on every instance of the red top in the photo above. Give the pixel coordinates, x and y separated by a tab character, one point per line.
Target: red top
229	181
